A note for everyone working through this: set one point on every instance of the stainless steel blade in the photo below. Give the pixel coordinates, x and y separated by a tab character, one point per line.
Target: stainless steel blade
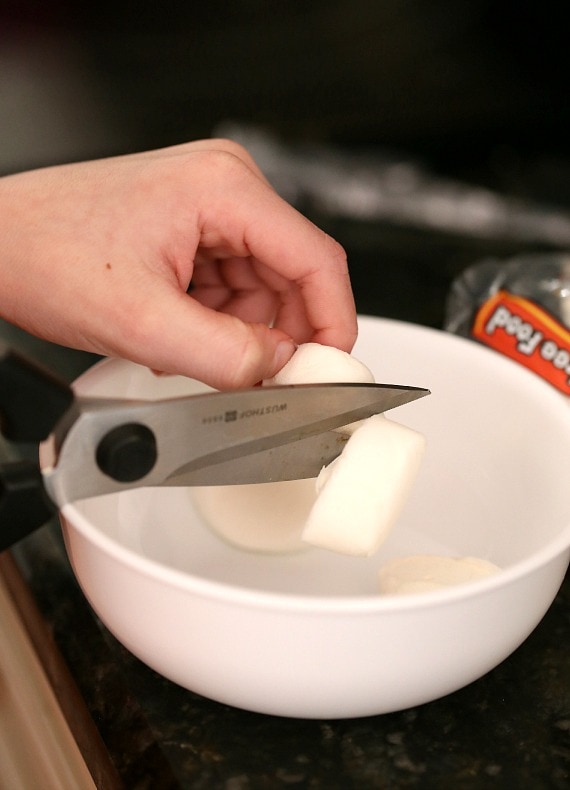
293	461
277	416
270	417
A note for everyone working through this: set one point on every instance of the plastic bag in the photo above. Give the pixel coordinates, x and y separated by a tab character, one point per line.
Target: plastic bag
520	308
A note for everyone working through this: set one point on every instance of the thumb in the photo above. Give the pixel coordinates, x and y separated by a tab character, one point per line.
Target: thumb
216	348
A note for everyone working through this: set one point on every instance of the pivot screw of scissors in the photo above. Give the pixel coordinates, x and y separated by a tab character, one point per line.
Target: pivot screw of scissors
127	453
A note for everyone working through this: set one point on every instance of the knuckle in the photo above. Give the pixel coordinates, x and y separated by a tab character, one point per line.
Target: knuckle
225	164
231	147
337	252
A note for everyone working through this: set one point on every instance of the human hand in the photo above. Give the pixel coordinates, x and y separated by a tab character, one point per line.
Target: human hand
100	255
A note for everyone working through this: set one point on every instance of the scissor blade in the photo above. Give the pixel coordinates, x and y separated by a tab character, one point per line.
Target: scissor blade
293	461
281	416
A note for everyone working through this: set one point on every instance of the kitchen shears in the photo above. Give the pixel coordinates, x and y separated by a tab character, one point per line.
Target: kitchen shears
99	446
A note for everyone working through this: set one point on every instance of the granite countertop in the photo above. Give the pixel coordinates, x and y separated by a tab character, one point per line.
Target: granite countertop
509	729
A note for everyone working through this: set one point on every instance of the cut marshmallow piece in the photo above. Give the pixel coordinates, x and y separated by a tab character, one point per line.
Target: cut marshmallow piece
361	493
262	517
427	572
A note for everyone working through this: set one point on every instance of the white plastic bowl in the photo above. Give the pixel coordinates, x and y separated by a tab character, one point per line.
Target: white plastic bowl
308	635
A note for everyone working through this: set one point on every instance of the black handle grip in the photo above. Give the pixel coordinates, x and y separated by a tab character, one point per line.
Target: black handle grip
24	503
32	400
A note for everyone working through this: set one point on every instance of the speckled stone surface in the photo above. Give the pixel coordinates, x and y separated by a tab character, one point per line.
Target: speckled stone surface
510	729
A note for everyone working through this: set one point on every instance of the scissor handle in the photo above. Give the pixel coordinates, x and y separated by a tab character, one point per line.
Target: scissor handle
32	401
24	503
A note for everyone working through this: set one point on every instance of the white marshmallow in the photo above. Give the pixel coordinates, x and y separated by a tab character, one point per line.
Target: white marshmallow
427	572
313	363
362	493
264	517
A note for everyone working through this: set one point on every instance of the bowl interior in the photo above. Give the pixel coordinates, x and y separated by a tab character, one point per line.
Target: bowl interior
492	485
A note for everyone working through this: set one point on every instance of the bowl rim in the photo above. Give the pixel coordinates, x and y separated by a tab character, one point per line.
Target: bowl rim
333	604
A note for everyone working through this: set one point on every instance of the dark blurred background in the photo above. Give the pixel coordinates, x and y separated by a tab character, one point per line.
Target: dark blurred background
475	91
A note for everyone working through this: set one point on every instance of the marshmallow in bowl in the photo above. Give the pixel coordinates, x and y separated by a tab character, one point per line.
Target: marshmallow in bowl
427	572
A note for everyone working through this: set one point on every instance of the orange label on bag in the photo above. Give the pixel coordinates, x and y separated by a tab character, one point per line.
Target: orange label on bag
525	332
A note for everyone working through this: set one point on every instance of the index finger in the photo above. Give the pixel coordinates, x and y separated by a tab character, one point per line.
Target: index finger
265	227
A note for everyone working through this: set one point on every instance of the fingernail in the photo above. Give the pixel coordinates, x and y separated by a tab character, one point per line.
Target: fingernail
283	353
